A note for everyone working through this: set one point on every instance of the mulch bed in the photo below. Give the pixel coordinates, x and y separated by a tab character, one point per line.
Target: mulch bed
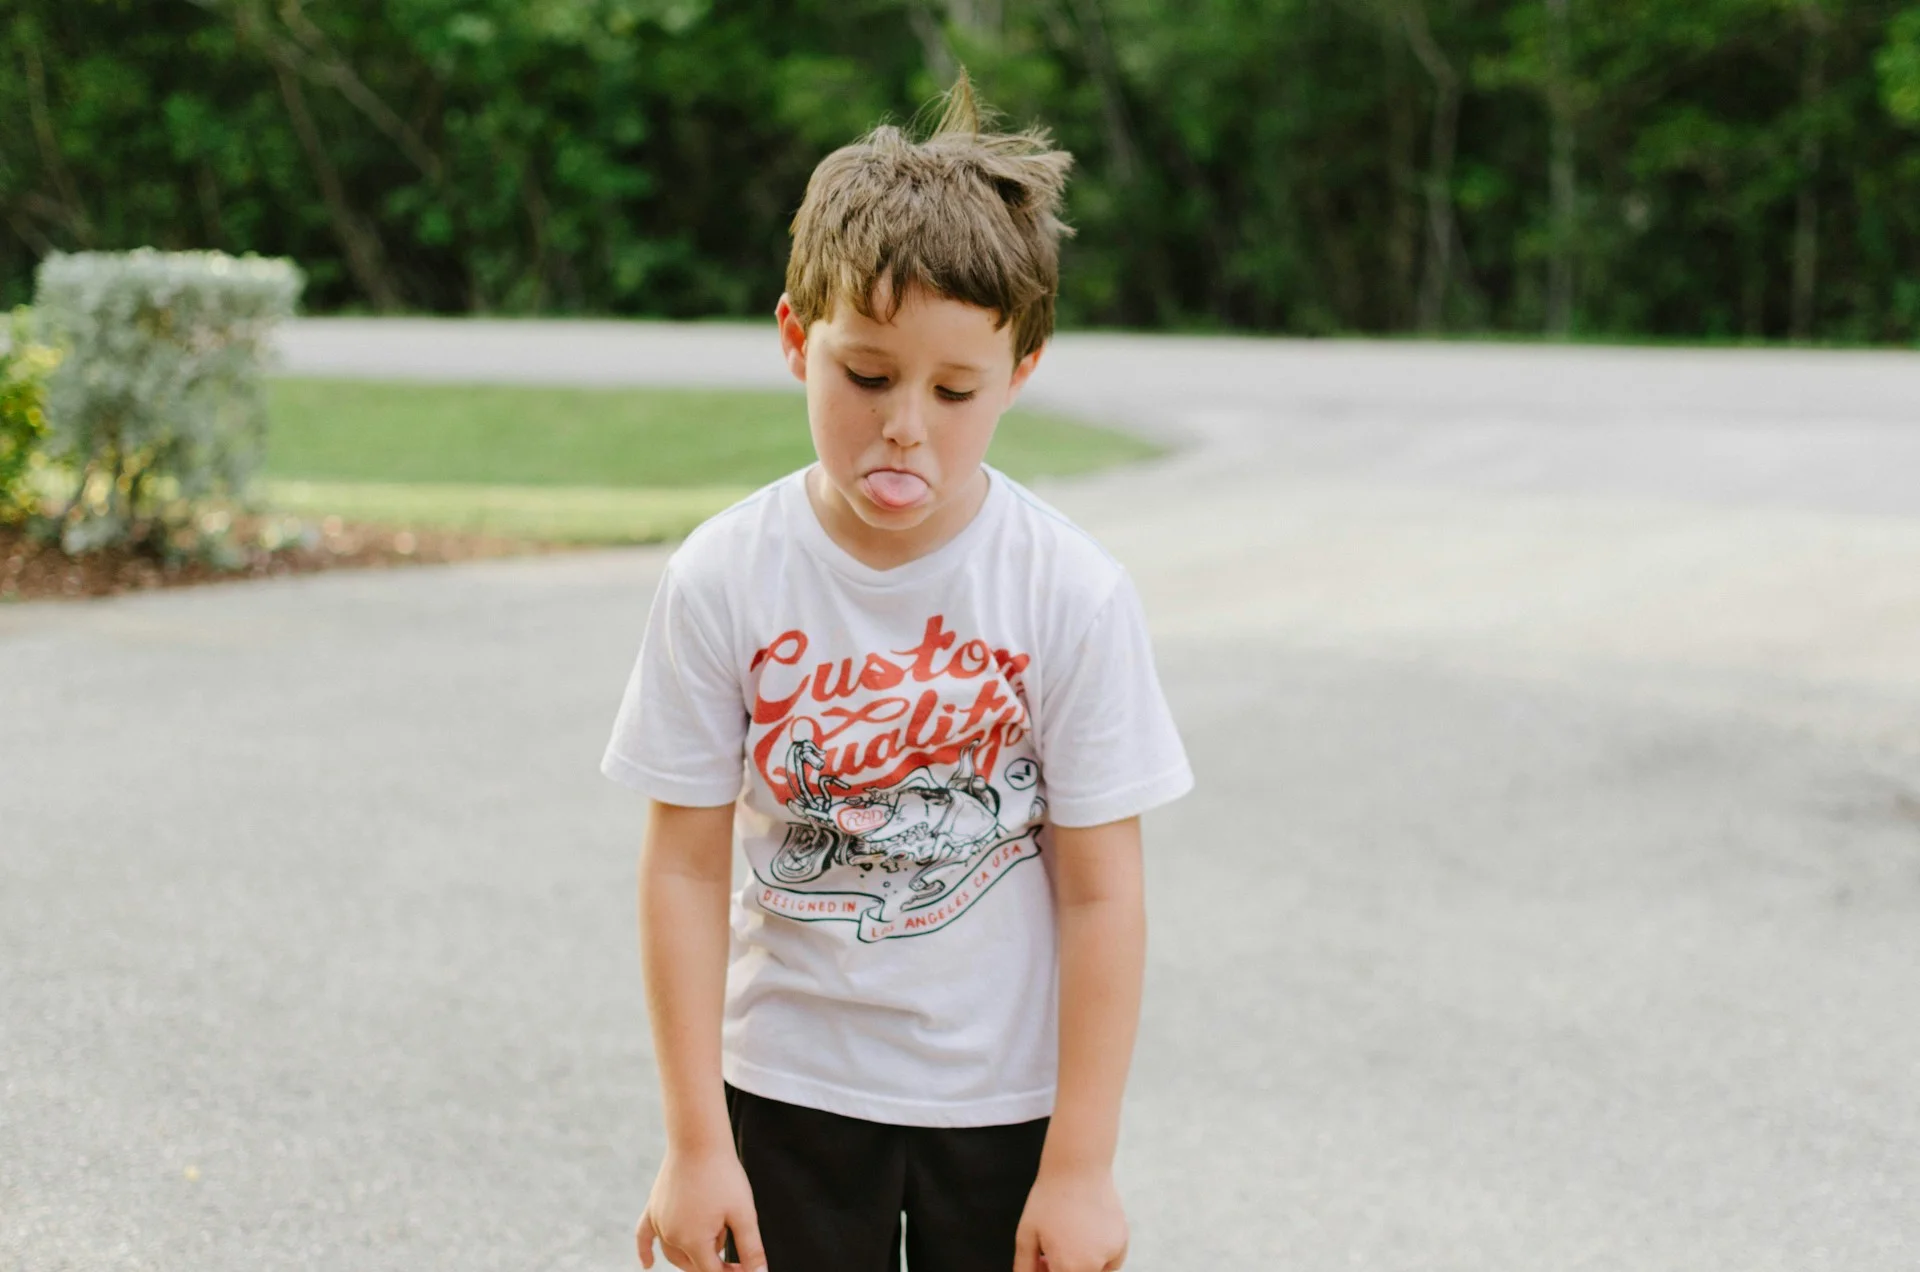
35	571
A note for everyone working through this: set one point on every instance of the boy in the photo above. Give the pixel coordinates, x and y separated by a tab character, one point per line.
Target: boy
924	705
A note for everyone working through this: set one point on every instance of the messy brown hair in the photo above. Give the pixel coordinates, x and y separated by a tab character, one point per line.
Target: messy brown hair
968	214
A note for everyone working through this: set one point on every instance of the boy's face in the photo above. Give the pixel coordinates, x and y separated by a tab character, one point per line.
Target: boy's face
901	414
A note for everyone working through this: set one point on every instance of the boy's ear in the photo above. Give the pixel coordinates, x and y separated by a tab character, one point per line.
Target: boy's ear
1022	370
793	338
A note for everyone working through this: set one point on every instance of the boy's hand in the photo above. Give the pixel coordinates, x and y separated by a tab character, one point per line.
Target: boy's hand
1073	1223
696	1199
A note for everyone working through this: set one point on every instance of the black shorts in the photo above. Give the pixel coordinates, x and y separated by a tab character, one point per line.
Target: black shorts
837	1194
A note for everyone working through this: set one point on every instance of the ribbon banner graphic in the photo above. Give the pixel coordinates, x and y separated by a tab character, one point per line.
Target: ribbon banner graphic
960	885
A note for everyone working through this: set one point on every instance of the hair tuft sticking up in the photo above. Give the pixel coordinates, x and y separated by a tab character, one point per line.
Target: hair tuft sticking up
961	111
968	214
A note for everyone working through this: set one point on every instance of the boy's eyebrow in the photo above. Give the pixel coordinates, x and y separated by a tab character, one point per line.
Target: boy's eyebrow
855	346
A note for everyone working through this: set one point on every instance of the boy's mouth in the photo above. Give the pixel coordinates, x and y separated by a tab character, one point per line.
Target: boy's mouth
893	489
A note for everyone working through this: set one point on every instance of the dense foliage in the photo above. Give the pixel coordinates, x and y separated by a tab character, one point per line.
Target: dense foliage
25	365
1688	168
158	402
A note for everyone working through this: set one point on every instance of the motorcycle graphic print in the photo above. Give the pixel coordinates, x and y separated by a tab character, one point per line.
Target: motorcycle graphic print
885	767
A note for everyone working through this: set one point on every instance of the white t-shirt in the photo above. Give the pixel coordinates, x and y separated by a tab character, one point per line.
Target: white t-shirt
898	741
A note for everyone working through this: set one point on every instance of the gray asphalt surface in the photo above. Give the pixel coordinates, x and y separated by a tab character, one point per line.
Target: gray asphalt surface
1551	899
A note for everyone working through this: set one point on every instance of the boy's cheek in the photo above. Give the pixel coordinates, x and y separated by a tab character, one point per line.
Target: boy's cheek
848	416
975	435
833	432
841	448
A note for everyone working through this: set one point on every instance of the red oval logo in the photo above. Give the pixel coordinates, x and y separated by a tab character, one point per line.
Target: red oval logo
858	819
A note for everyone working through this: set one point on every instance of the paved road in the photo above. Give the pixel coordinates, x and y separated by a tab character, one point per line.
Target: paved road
1551	900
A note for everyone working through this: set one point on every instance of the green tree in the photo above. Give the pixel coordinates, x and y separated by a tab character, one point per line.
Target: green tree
1715	168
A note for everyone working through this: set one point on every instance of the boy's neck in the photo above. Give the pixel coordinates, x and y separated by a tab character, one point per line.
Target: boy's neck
879	549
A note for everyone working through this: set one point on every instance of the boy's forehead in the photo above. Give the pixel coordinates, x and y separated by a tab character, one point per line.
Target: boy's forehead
968	333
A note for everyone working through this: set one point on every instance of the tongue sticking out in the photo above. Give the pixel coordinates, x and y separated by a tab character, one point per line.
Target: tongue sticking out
895	490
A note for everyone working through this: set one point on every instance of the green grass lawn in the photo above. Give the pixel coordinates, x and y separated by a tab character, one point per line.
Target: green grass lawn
583	465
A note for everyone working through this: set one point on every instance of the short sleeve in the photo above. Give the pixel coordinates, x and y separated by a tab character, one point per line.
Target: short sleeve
1107	742
680	735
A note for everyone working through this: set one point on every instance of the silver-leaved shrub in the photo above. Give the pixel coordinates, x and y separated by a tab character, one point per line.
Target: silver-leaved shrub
158	403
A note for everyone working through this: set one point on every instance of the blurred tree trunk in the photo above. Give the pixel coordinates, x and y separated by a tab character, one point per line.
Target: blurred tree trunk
941	63
1806	230
1562	176
364	258
981	17
1079	28
1443	141
71	208
1403	214
1121	150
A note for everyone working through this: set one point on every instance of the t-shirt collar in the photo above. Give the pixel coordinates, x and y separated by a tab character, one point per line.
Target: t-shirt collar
806	526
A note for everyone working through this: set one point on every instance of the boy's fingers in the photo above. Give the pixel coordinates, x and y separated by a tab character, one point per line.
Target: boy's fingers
746	1242
643	1240
1026	1251
694	1260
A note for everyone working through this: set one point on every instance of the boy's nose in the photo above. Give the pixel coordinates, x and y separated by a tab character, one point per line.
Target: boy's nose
906	425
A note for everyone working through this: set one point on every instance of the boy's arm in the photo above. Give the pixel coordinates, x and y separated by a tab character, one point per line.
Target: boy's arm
701	1191
1073	1215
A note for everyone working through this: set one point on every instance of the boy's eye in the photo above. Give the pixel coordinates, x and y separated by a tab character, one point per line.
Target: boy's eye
867	381
954	395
